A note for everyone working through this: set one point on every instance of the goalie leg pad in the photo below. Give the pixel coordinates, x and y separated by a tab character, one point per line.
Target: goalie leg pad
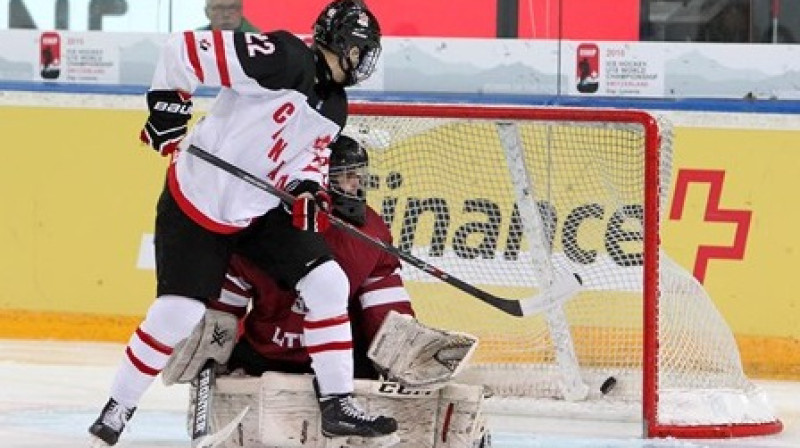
231	395
285	413
460	423
406	351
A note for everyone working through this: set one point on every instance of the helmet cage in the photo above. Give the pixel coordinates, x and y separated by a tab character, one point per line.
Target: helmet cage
351	203
367	62
348	175
357	170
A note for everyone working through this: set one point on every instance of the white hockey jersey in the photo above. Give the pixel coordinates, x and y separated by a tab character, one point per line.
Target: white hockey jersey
269	118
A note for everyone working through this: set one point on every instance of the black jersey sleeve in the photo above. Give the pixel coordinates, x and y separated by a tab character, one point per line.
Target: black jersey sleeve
332	105
276	60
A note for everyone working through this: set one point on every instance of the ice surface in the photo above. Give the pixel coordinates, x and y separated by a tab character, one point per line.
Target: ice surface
50	392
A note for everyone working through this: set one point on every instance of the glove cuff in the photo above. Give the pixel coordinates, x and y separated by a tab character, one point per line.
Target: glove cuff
298	187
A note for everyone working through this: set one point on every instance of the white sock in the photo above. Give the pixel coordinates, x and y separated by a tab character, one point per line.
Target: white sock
169	320
326	328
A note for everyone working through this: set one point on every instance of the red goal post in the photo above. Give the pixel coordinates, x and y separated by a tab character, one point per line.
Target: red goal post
506	198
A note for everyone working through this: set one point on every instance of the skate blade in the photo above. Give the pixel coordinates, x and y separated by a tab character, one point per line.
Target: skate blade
386	441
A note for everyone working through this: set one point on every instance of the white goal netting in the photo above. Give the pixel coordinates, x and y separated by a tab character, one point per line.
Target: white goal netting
504	198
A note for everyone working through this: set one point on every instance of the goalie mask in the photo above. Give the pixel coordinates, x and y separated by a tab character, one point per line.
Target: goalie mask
348	28
348	177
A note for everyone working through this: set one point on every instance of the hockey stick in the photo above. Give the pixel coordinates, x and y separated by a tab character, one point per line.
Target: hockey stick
216	439
563	286
201	414
202	437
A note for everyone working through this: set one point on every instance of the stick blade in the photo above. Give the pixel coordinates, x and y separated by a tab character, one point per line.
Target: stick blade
565	285
219	437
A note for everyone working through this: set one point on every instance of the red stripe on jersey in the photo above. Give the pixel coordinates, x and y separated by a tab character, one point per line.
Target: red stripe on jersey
222	63
333	321
140	366
153	343
191	211
194	59
234	288
330	346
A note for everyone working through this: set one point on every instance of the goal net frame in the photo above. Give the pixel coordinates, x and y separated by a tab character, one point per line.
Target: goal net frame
653	200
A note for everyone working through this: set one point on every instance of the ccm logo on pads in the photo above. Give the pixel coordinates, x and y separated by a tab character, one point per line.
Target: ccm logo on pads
397	389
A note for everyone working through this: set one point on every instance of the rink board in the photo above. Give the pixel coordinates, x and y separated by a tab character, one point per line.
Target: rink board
82	209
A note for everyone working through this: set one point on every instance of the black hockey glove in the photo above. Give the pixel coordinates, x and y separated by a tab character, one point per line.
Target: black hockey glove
170	110
310	207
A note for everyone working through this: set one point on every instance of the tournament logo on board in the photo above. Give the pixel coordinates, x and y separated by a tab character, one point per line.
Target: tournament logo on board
50	55
588	68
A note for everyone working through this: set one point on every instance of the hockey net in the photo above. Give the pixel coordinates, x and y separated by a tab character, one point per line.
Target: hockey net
459	184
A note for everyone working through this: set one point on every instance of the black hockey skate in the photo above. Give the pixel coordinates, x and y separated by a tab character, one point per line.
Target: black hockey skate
108	427
342	417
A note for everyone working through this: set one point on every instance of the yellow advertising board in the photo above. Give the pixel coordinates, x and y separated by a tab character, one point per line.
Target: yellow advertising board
79	193
79	204
733	225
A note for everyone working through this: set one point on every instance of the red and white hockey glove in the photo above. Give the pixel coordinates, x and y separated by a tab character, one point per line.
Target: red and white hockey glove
311	206
170	110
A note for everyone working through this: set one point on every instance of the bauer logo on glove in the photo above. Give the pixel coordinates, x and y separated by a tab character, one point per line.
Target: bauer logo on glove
170	110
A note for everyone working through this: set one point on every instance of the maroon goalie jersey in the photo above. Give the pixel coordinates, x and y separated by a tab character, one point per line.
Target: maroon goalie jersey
274	325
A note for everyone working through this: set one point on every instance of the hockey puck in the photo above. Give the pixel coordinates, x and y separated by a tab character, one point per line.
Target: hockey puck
608	385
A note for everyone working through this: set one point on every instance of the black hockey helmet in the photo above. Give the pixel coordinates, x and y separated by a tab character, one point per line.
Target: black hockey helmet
347	27
348	160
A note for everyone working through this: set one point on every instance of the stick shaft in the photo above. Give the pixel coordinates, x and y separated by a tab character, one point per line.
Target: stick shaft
509	306
201	417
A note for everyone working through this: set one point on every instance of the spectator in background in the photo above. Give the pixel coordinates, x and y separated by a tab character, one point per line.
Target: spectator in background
732	24
227	15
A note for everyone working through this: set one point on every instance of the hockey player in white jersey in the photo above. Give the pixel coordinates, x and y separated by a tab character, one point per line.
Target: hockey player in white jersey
280	104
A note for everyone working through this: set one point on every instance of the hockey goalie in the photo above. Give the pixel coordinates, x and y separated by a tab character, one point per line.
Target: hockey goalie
403	368
283	410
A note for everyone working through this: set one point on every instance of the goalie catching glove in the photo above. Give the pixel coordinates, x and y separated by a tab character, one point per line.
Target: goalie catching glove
212	338
417	356
170	110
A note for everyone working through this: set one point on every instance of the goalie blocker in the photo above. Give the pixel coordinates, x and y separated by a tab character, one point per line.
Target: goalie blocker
284	413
